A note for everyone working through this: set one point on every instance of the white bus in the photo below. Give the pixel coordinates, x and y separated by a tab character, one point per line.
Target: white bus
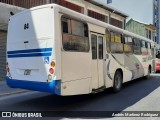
56	50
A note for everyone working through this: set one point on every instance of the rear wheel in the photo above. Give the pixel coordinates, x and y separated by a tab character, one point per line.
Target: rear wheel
117	81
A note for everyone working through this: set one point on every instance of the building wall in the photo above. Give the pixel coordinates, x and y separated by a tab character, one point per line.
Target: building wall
136	27
142	29
3	38
158	21
156	18
81	6
25	3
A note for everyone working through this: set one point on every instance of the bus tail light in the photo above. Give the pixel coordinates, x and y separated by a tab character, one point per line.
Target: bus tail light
7	67
49	77
51	70
53	64
8	70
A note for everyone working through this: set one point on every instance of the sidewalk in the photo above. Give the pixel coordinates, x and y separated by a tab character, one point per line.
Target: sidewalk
6	90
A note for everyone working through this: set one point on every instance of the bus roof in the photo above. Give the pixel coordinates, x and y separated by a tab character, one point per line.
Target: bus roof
85	18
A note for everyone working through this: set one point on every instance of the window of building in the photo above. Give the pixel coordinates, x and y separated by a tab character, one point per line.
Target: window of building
71	6
116	23
97	16
149	34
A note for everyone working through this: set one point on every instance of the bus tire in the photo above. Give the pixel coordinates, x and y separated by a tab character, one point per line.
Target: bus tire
117	84
149	72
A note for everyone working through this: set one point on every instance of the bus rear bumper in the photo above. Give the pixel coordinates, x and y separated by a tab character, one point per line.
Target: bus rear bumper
53	87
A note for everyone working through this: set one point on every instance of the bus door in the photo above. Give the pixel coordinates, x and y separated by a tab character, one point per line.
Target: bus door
97	43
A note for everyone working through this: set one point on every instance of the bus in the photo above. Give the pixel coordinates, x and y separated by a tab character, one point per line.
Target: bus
53	49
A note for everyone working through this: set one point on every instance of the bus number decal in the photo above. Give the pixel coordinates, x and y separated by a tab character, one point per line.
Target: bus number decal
26	26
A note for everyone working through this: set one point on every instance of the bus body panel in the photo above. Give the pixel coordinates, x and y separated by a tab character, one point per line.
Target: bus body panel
31	49
35	40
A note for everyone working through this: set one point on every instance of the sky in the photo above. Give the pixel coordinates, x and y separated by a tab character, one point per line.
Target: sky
140	10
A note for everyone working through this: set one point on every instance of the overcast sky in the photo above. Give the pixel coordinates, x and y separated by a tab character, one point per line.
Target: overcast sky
141	10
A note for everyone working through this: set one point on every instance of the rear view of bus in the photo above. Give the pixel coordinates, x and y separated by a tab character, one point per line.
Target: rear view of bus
31	60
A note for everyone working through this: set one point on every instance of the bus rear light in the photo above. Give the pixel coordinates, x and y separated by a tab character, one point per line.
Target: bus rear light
53	64
51	70
6	64
8	70
49	77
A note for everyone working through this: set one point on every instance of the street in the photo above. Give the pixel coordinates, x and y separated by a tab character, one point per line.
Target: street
137	95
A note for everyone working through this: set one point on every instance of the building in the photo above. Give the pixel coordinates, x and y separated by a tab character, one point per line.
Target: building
143	29
91	8
156	18
147	12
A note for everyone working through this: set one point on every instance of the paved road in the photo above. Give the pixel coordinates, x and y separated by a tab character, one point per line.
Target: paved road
136	95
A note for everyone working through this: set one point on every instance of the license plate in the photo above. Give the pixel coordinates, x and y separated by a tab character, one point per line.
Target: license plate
27	72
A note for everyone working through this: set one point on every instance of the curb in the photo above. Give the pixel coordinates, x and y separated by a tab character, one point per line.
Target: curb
12	93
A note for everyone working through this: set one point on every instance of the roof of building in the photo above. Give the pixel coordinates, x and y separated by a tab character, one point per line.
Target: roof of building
107	7
151	26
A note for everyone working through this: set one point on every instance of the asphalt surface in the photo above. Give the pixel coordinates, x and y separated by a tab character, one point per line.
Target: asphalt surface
137	95
6	90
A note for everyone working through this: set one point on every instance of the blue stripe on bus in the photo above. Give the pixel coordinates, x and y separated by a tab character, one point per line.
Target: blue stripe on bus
30	51
49	87
29	55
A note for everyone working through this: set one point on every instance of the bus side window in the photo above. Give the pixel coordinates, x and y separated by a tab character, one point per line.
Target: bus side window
136	46
75	35
144	48
116	43
143	45
85	30
66	25
146	45
128	44
149	45
108	41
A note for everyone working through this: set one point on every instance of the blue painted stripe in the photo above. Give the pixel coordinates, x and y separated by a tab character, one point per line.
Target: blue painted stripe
30	51
29	55
52	87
